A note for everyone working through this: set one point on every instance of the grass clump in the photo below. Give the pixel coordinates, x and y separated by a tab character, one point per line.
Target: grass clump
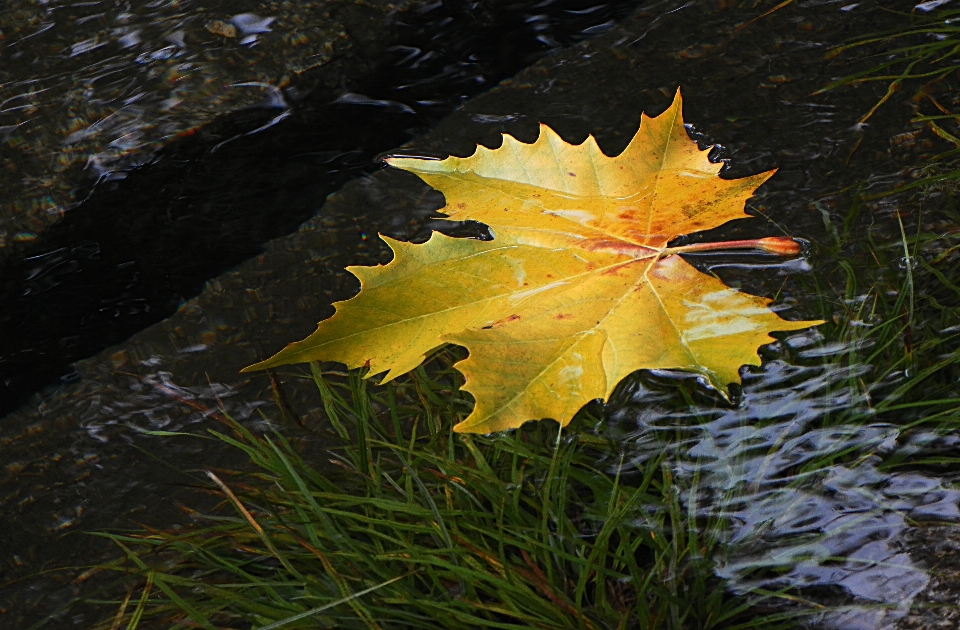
396	522
887	301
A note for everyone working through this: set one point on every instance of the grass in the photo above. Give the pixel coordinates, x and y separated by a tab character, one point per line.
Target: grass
922	56
891	302
396	522
926	49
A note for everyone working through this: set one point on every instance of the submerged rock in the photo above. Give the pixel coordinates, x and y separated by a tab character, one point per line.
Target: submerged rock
88	90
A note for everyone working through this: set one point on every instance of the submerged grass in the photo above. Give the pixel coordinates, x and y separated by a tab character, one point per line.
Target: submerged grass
396	522
893	309
922	56
926	49
889	289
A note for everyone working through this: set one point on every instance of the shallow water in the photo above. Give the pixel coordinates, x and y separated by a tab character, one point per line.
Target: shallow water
817	477
114	263
791	520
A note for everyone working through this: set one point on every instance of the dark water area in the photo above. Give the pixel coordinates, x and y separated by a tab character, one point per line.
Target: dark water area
145	240
838	457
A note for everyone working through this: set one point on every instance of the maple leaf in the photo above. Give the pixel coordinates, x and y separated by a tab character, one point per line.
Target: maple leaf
578	287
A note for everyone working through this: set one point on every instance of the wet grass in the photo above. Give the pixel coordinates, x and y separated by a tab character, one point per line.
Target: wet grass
890	294
894	303
388	519
918	65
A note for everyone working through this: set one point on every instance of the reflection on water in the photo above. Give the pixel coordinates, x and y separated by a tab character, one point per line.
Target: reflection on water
792	518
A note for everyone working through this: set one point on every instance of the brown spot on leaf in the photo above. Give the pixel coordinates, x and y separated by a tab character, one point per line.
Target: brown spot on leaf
613	271
564	316
572	174
505	320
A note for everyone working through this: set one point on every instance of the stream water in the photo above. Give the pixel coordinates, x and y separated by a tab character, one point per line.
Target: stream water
841	451
111	266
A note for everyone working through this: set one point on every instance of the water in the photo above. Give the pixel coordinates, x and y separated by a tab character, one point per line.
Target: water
820	478
794	522
174	205
111	267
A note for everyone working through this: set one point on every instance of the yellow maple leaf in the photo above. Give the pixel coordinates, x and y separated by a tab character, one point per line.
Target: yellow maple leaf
578	287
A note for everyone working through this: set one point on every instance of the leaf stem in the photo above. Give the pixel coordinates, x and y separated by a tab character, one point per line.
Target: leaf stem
779	245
